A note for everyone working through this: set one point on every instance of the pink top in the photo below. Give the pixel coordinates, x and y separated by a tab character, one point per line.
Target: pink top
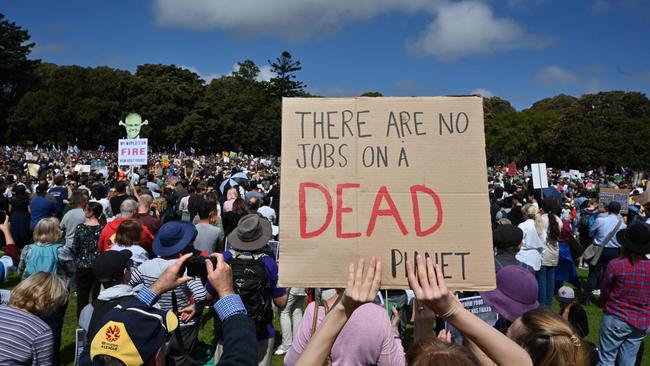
366	339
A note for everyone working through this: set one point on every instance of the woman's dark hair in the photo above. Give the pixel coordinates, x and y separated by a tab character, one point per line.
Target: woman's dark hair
98	211
41	189
433	351
239	207
633	257
128	233
20	190
552	207
97	191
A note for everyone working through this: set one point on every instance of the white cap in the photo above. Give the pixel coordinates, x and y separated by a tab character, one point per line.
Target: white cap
565	294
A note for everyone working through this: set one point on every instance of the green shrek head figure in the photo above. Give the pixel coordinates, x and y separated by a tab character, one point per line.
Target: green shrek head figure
132	124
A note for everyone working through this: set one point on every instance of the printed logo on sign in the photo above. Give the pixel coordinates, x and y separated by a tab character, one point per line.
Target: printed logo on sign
112	333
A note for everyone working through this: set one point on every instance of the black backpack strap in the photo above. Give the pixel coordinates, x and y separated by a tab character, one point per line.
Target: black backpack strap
179	335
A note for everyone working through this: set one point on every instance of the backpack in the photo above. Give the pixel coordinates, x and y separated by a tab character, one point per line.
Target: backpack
43	258
250	282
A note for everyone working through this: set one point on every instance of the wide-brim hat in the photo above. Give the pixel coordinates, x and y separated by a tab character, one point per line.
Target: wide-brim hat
252	233
516	292
173	237
635	238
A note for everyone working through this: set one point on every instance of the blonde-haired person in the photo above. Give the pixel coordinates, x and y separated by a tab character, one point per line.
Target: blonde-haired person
534	240
47	254
24	337
549	339
44	254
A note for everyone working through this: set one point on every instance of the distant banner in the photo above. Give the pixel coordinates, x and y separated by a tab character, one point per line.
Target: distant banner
607	195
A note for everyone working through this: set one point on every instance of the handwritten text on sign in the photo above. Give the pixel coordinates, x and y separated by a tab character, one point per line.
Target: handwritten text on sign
389	177
132	152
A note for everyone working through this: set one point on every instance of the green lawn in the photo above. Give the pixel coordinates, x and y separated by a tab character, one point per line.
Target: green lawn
70	324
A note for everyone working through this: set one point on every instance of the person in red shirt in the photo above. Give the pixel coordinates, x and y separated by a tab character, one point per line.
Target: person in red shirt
128	210
625	294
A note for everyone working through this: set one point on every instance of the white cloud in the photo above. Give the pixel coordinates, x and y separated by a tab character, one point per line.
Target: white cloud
482	92
554	75
265	73
206	77
458	28
469	27
285	19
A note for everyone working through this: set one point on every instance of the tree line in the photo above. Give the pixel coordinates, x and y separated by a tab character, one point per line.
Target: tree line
44	103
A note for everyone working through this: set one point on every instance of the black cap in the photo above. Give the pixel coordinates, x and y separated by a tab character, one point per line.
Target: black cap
507	236
110	265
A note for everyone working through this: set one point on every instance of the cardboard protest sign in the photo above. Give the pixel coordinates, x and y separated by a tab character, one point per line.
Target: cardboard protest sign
607	195
384	177
132	152
540	175
512	169
82	168
33	169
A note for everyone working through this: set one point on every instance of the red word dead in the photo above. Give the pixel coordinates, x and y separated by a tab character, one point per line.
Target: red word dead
338	210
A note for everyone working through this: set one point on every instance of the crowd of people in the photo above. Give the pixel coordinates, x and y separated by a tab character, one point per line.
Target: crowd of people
153	253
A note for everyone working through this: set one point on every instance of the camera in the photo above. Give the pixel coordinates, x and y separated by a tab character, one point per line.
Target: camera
196	266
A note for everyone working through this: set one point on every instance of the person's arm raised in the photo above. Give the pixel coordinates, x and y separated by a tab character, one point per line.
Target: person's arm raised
363	283
430	290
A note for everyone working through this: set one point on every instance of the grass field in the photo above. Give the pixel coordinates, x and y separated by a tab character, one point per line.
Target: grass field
70	324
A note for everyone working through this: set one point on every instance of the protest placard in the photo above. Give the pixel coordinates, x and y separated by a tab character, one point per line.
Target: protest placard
33	169
132	152
540	176
82	168
607	195
384	177
477	306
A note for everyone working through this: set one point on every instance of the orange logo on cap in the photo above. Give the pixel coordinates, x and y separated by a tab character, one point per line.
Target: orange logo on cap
112	333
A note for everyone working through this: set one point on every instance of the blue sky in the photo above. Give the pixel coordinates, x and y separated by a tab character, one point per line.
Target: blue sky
520	50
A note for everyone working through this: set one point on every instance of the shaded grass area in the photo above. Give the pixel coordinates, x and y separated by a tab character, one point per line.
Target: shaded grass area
206	334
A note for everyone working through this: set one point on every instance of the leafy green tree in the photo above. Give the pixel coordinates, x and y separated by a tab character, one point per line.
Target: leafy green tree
233	114
15	69
372	94
284	83
164	95
247	71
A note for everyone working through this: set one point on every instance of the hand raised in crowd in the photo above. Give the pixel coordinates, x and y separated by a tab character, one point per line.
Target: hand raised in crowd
445	336
220	277
5	226
170	279
363	283
394	322
429	287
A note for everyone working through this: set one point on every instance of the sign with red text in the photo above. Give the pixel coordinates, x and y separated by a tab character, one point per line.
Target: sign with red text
132	152
384	177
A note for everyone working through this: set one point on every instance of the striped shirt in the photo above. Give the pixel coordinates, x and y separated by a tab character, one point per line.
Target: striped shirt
24	338
148	272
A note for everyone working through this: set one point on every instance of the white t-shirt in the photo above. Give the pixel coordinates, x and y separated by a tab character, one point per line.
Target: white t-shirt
532	245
